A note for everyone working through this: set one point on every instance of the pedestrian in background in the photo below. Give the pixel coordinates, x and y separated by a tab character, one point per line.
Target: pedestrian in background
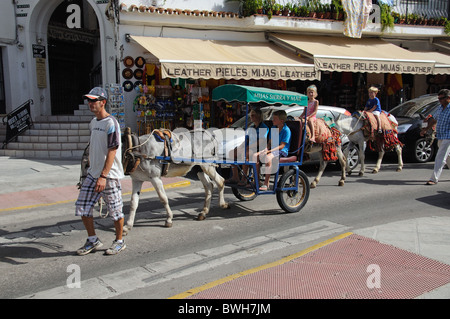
104	174
442	121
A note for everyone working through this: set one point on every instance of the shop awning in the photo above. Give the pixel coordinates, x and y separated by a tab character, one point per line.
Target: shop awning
212	59
250	94
343	54
442	65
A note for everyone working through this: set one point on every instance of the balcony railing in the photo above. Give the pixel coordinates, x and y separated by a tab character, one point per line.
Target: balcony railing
424	8
408	9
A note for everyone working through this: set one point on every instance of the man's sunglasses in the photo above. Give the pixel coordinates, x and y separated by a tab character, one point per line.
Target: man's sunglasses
93	100
442	98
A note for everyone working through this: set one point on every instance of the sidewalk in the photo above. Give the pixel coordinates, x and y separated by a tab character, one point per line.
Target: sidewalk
406	259
379	262
37	183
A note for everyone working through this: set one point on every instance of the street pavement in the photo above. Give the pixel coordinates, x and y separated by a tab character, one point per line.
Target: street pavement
404	259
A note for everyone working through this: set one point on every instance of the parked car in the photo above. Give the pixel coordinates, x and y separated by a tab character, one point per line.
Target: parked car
410	116
235	133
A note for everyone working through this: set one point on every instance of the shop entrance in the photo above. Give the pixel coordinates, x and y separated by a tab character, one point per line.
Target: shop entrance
72	56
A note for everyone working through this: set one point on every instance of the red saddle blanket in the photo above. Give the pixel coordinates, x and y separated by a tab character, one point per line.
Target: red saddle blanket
327	136
387	139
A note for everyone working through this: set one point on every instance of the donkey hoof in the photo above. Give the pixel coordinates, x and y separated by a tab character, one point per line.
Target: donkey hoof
125	230
361	174
399	169
374	171
201	217
341	183
167	224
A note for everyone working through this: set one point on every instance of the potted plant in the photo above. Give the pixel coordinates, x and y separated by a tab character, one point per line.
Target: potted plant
303	11
337	9
313	6
248	7
386	18
277	9
327	10
396	16
286	9
447	27
268	7
259	6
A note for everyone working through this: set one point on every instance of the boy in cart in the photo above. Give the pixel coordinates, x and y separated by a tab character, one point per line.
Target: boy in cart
274	149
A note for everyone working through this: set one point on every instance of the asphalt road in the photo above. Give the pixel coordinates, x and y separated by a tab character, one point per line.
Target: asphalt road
37	246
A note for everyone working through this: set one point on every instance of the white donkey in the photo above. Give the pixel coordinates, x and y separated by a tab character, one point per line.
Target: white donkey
353	128
195	145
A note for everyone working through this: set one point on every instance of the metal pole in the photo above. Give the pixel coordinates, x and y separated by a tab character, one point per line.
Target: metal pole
448	9
406	15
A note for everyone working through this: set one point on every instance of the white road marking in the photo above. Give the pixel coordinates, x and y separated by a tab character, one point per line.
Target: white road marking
115	284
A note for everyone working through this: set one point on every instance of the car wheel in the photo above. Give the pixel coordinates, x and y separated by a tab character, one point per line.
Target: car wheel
353	156
422	151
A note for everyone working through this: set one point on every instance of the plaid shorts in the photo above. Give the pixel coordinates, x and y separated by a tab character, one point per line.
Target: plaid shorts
88	197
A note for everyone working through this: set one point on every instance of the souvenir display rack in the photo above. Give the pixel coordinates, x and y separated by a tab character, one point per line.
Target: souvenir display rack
164	106
116	103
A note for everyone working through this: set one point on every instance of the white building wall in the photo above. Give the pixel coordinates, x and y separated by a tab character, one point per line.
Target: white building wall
33	17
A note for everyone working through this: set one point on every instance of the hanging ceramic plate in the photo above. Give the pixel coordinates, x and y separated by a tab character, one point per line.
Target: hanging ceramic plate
128	61
127	86
140	61
138	74
127	73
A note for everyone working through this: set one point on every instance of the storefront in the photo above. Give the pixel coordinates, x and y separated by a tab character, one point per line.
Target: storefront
171	79
349	66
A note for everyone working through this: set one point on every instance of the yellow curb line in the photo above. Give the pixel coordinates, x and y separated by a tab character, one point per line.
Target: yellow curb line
259	268
151	189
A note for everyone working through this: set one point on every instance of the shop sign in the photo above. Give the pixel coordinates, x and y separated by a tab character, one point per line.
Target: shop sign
250	72
342	65
39	51
18	121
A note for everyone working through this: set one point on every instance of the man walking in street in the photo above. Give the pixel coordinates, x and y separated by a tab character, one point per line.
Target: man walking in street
442	121
104	174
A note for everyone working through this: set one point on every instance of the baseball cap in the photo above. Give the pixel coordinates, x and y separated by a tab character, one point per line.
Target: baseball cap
97	93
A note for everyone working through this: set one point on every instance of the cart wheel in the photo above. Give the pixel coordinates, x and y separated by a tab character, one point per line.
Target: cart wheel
245	194
292	201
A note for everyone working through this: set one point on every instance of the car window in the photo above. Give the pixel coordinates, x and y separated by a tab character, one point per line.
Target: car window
414	108
429	108
295	113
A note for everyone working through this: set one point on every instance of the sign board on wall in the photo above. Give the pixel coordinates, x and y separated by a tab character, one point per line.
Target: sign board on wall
18	121
40	54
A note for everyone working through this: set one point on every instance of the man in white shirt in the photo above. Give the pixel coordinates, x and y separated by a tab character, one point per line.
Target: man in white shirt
104	174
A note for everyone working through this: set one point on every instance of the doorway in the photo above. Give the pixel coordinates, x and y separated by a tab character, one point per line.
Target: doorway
71	57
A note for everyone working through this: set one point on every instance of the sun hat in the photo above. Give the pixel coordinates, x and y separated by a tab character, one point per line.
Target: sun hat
97	93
